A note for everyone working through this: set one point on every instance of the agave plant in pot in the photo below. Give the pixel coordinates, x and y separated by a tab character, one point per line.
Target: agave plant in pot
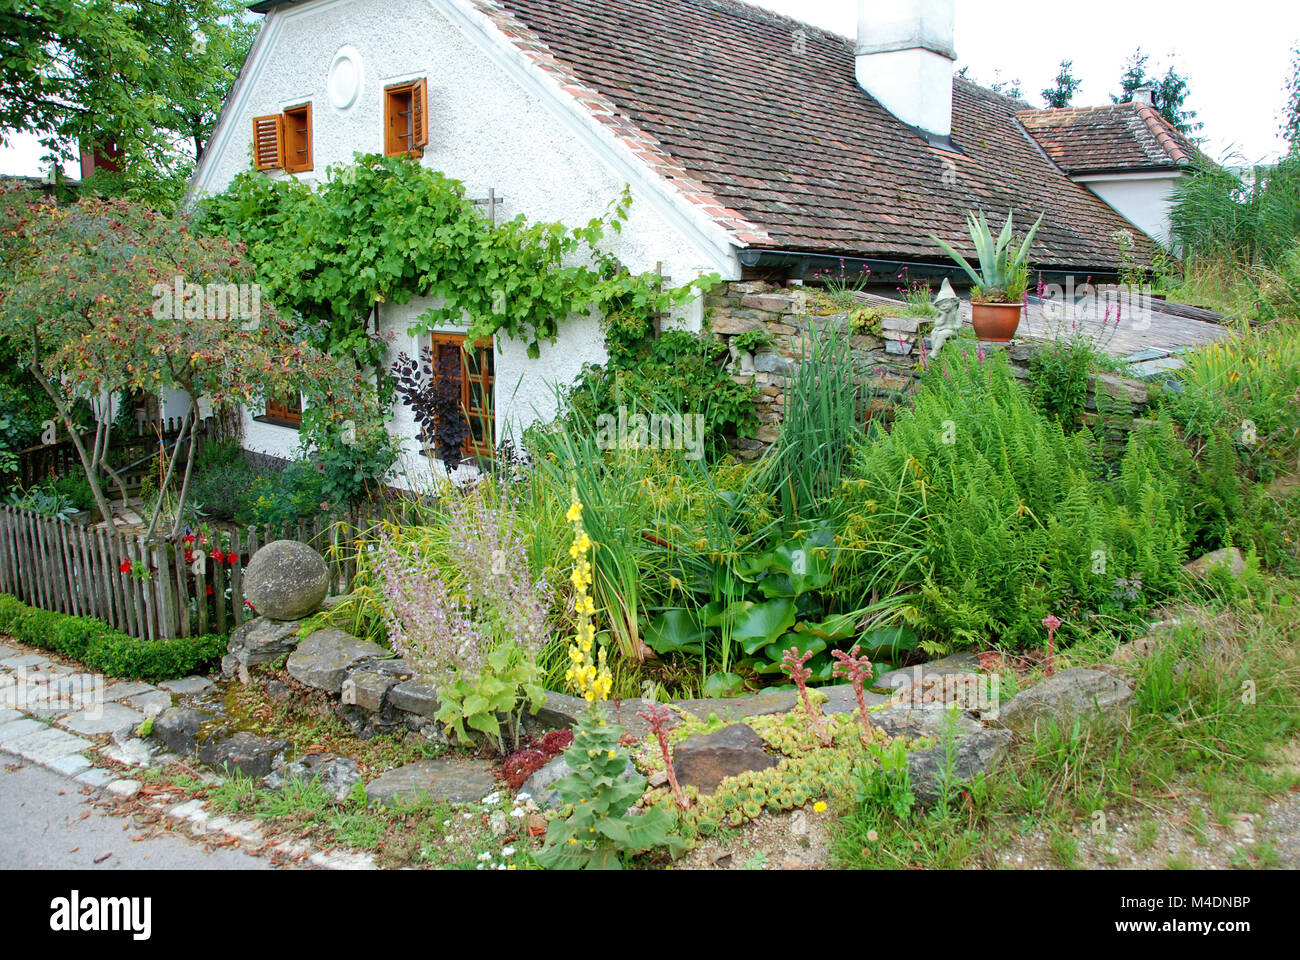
1003	276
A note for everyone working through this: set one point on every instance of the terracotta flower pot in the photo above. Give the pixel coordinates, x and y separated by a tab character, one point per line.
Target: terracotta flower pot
995	322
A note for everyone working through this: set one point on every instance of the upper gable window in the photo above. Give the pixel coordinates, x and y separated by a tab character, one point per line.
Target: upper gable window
283	141
406	118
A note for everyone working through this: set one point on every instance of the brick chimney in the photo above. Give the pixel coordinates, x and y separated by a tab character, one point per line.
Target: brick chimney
904	60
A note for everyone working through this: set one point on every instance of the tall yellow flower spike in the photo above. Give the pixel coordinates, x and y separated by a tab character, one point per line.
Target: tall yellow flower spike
587	676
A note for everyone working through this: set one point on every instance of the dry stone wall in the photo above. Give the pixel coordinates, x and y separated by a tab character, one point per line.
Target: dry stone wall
888	362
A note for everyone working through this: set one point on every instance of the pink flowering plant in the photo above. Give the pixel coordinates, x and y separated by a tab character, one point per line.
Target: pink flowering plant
856	668
471	627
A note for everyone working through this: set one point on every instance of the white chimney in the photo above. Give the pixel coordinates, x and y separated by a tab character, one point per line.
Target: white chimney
905	57
1145	95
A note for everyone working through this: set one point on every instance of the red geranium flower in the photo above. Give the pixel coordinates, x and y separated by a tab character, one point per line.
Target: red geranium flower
218	556
209	589
125	566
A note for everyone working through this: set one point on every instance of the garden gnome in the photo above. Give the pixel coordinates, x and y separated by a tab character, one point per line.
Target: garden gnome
949	308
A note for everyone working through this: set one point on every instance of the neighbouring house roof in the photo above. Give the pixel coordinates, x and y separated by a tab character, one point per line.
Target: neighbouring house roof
1116	138
759	122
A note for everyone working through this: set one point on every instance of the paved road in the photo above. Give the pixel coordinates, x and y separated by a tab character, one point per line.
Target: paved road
41	827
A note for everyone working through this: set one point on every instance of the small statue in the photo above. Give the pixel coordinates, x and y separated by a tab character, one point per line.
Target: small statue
949	320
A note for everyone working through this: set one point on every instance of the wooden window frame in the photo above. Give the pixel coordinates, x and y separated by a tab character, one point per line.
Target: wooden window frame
486	378
293	116
281	413
411	136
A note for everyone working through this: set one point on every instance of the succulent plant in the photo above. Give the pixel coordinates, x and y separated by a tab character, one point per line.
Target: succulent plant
1002	269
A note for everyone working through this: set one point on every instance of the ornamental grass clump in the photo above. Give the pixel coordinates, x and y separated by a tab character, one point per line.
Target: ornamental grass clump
599	793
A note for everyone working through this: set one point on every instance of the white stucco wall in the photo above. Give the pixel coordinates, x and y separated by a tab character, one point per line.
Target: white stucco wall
491	125
1141	198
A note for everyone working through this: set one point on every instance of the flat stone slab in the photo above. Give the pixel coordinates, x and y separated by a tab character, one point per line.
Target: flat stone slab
414	696
74	764
368	685
188	686
445	780
47	745
126	689
1059	699
841	699
17	729
260	640
336	775
94	777
151	704
562	710
739	708
27	661
959	663
104	718
970	757
9	716
323	659
123	789
244	753
904	720
705	760
7	652
541	785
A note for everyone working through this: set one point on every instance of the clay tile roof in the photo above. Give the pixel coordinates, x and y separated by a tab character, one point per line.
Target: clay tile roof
1113	138
762	121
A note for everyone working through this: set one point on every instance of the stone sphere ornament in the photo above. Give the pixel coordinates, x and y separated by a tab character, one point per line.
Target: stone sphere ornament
286	580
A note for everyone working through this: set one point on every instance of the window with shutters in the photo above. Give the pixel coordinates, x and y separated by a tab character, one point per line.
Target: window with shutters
297	138
284	411
406	119
282	141
268	142
477	385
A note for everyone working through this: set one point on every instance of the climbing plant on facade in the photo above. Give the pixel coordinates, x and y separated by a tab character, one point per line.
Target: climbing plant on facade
386	229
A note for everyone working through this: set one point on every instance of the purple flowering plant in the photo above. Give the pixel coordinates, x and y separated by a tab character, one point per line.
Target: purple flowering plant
471	625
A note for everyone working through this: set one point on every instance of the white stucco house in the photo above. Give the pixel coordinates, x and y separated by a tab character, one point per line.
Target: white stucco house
753	145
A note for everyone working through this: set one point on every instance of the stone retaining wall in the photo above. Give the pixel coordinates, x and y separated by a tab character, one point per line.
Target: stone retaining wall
887	362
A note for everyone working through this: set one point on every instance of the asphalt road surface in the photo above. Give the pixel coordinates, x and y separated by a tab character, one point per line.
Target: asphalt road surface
41	827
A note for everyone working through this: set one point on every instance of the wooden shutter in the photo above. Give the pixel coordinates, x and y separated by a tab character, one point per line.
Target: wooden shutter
297	139
268	142
419	113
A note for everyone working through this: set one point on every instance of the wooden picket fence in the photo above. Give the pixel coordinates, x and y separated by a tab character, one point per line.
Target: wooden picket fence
67	567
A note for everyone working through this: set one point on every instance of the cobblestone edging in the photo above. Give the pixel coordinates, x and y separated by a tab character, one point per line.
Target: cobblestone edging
69	723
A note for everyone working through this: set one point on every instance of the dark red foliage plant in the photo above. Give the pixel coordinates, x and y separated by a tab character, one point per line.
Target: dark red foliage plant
535	753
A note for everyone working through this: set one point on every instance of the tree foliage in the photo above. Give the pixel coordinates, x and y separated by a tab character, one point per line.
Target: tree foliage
82	305
1169	92
1065	86
147	77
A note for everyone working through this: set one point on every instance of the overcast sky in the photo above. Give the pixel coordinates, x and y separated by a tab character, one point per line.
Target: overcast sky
1236	55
